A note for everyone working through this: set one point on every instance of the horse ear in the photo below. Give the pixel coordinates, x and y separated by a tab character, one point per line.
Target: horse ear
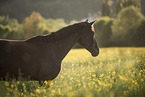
86	21
92	22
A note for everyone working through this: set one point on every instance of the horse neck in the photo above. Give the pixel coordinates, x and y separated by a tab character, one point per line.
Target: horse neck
63	46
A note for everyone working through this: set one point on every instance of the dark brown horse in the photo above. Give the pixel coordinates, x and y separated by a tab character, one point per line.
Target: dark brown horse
40	57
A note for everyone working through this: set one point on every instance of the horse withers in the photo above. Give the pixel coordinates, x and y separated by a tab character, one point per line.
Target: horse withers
40	57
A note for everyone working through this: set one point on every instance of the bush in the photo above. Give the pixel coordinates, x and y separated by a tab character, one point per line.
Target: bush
4	30
35	24
53	25
139	37
4	20
103	31
125	26
32	25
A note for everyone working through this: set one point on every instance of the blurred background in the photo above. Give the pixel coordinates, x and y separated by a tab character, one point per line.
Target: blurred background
119	22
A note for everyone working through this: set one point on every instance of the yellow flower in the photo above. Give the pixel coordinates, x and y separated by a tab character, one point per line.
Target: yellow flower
124	92
25	90
136	83
62	77
37	90
31	94
7	83
21	94
141	70
59	92
79	84
70	88
16	88
8	94
71	78
46	82
24	96
23	84
101	75
9	89
51	84
71	94
18	82
12	85
142	80
94	75
113	73
53	91
44	90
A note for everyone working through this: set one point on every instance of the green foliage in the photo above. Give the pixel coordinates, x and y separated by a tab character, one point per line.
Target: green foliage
127	29
32	25
6	32
103	31
54	25
13	23
10	28
125	26
3	30
107	7
4	20
139	38
120	4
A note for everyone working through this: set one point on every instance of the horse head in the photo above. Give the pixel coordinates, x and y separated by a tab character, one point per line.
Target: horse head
88	38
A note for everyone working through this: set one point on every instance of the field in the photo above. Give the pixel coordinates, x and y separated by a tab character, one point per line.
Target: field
116	72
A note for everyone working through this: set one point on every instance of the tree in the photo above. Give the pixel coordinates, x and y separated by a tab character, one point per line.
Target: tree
120	4
139	36
10	28
103	31
126	24
31	24
107	7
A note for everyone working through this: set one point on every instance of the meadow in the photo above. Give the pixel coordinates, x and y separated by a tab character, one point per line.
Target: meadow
116	72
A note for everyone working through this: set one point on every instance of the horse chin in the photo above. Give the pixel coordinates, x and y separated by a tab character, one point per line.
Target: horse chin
94	54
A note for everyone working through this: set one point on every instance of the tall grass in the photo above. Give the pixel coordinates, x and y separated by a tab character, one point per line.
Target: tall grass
115	72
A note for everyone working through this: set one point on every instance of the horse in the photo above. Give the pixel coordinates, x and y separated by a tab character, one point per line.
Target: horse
40	57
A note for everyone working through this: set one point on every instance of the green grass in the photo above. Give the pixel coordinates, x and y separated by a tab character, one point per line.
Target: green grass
115	72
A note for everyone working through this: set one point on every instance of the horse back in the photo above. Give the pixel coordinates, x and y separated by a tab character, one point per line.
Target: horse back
7	47
11	57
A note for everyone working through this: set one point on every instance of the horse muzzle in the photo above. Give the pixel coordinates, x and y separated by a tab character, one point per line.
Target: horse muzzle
95	53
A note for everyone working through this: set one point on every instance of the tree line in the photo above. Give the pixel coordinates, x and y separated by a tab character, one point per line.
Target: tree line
125	26
120	26
66	9
32	25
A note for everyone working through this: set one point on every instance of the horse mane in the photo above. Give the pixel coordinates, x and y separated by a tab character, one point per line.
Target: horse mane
60	34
